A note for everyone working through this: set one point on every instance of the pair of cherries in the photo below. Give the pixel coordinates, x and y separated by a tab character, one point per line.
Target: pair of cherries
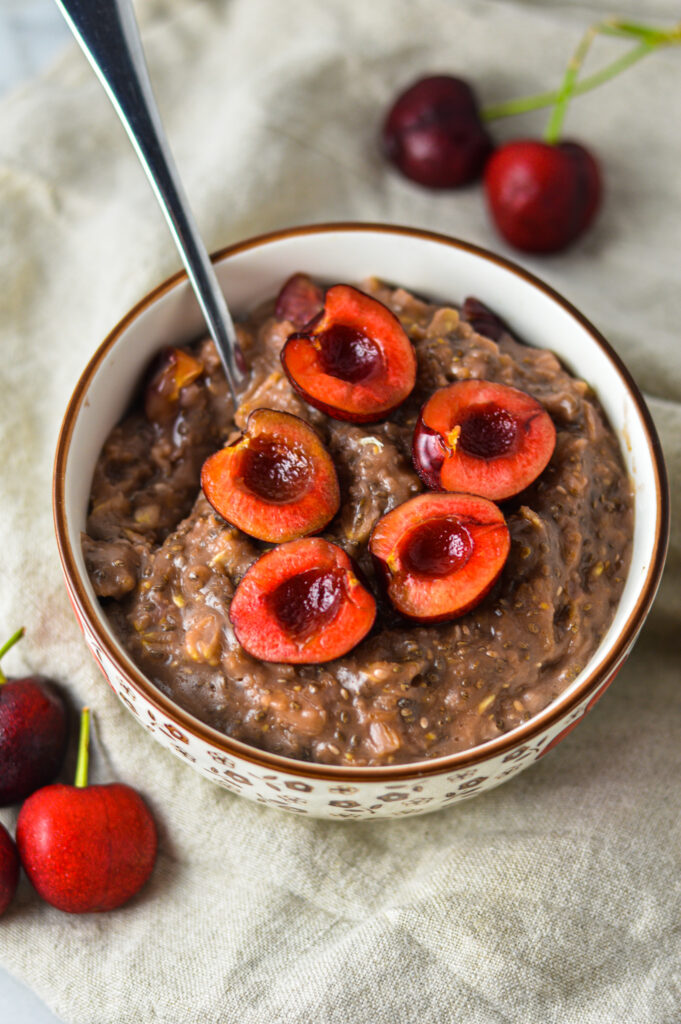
84	848
541	196
475	442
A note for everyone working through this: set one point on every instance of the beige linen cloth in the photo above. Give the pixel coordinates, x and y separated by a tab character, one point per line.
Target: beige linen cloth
554	898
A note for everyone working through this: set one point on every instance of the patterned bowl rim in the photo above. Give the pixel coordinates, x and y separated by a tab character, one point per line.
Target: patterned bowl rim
522	734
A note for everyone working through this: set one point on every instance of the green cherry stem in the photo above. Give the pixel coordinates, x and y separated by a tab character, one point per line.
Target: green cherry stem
553	128
540	100
83	749
650	40
6	647
647	33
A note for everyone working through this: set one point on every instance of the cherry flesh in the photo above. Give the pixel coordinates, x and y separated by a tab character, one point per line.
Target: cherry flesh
9	869
277	482
440	554
173	369
301	603
86	848
434	135
482	437
299	301
542	197
354	361
33	734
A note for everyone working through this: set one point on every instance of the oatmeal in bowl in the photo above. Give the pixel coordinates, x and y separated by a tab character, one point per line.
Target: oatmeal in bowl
411	557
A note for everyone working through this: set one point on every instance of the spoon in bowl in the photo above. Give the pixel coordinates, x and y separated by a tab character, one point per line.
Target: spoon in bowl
108	35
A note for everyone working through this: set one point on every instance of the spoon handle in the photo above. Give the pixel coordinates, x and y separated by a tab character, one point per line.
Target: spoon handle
108	35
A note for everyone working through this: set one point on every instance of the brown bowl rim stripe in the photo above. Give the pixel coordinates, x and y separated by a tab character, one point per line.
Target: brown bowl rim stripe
380	773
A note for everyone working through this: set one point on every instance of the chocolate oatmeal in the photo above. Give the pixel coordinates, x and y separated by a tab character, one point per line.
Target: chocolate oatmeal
166	566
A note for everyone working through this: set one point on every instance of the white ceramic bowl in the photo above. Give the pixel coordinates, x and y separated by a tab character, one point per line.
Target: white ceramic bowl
433	265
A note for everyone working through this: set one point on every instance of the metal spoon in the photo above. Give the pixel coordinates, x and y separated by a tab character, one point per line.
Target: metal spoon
108	35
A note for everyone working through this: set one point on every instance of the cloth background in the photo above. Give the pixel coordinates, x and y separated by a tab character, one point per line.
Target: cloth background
553	898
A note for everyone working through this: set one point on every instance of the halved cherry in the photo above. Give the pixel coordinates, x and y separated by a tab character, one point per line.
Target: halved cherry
439	554
276	482
173	369
301	603
354	361
482	437
299	301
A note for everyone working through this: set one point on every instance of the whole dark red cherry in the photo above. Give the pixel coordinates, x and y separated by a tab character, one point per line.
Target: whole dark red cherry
541	196
9	869
433	133
33	733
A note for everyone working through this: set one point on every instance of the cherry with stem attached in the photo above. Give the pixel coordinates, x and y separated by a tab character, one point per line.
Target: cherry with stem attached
86	848
543	194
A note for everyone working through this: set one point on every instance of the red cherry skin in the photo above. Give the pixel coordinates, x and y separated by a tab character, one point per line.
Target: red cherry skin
9	869
86	849
299	300
542	197
33	736
433	133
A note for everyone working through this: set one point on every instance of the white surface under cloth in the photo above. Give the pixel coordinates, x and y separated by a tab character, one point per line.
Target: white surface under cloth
554	898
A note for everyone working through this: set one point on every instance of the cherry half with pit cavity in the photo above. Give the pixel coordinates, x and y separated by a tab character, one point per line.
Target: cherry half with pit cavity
301	603
354	361
482	437
440	554
276	482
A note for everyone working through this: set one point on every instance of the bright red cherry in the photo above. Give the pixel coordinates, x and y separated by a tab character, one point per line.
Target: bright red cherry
542	197
86	848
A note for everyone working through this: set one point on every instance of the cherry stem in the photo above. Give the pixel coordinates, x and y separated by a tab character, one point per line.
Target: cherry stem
553	128
83	749
538	101
649	40
6	647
